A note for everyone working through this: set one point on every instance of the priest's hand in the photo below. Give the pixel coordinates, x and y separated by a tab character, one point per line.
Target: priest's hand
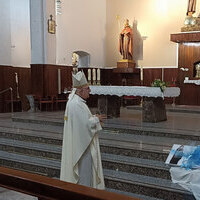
101	117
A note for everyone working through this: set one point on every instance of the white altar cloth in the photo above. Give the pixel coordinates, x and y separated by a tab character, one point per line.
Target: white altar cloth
134	91
196	82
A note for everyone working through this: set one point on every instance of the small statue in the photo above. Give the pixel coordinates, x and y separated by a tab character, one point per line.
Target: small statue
126	41
197	67
75	58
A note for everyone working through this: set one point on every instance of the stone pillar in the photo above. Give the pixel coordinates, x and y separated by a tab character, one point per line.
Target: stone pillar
43	44
109	105
153	109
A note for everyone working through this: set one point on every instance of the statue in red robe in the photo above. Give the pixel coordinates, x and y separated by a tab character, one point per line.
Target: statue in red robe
126	42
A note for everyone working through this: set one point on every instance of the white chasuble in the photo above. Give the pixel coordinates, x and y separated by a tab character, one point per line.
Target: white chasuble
80	134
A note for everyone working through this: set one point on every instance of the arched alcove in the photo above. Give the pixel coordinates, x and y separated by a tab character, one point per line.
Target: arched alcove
81	59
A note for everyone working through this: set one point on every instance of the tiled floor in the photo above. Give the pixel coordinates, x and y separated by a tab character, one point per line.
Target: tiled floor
11	195
181	121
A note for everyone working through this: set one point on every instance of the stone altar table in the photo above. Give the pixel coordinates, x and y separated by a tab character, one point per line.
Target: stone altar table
153	105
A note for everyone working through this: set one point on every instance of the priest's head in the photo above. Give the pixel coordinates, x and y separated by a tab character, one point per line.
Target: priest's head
80	83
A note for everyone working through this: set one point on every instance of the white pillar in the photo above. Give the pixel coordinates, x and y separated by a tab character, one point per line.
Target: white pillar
43	44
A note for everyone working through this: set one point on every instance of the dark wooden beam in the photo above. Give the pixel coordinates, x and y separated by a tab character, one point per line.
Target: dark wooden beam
185	37
52	189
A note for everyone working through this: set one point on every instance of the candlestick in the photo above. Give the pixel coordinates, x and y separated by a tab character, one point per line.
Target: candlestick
162	74
141	73
98	76
59	82
94	76
89	74
16	78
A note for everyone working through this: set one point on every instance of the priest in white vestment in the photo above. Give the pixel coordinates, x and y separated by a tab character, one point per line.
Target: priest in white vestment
81	158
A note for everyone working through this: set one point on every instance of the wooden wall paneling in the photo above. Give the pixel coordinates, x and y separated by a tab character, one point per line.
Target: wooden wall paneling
150	75
188	55
50	80
186	37
45	79
66	77
115	79
196	58
133	79
170	76
37	79
9	81
1	88
107	77
190	94
24	77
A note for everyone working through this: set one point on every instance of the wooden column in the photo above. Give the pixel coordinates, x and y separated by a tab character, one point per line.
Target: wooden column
188	54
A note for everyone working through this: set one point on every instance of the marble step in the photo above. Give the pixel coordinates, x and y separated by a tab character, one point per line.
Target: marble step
120	125
139	196
135	165
115	144
110	161
42	166
36	149
125	127
148	186
38	120
111	138
128	182
147	147
170	108
32	134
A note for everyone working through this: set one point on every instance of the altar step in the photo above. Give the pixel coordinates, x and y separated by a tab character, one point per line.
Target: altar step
132	163
173	108
111	161
116	179
129	126
117	126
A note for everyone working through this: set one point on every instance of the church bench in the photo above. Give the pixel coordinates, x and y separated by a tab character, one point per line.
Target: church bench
46	188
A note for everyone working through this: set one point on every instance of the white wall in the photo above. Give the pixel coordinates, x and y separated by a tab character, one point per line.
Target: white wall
81	27
20	33
156	19
14	34
5	37
91	26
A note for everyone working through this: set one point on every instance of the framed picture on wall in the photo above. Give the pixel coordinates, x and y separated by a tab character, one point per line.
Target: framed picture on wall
51	25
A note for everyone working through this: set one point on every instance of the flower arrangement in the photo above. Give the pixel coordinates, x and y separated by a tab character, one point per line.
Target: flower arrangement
159	83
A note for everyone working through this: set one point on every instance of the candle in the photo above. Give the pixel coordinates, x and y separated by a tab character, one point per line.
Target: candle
89	74
98	75
59	82
162	74
94	74
16	78
141	73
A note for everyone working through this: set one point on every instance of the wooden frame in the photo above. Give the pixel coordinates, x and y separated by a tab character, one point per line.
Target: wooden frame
51	25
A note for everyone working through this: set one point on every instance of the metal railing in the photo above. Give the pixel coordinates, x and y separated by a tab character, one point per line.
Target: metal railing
11	96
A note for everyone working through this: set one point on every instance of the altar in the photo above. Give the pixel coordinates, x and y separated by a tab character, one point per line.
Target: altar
153	106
